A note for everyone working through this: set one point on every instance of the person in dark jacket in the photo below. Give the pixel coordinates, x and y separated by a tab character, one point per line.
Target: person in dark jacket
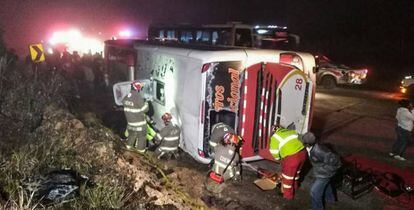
325	164
168	138
226	162
135	108
217	134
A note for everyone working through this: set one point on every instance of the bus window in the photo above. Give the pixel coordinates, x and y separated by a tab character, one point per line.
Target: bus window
203	37
224	37
222	94
159	92
243	37
161	34
171	34
186	36
214	37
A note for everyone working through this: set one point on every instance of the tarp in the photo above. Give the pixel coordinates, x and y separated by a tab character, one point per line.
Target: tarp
377	167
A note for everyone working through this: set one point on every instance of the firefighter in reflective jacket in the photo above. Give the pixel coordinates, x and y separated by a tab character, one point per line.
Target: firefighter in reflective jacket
169	138
285	146
217	133
135	108
226	163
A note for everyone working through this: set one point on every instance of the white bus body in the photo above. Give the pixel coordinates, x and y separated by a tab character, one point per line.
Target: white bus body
247	88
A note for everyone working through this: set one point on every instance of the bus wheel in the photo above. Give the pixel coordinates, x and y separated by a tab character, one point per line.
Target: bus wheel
328	82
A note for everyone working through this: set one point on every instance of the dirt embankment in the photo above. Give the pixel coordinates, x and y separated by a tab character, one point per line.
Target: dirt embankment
39	134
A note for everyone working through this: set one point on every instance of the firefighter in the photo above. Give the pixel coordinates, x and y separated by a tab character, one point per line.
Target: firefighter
217	133
286	147
135	108
168	138
226	163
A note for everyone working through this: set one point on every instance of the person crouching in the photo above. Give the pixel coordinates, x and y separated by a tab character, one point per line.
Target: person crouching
286	147
168	138
226	163
325	164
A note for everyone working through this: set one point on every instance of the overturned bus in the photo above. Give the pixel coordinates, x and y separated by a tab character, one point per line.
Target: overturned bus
249	89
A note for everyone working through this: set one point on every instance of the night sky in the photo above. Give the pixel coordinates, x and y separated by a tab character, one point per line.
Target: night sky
351	31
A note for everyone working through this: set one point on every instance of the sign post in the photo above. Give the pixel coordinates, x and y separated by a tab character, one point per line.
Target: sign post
37	55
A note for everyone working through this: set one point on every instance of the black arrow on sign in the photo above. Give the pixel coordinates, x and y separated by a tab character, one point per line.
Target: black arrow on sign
38	51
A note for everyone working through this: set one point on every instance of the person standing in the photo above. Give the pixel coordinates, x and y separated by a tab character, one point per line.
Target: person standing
135	108
285	146
405	118
325	165
168	138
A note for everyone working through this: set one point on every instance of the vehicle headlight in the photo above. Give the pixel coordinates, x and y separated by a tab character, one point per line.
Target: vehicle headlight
408	77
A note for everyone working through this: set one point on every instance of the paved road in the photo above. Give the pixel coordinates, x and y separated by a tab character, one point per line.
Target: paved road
359	122
353	122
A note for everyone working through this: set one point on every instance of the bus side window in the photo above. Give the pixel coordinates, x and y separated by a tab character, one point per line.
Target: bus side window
186	37
203	37
243	37
214	37
161	34
199	34
224	38
171	34
159	92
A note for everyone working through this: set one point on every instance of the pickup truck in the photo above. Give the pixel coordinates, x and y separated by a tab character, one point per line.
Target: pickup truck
329	74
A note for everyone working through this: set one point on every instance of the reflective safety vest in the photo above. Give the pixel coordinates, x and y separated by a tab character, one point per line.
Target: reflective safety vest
284	142
217	133
135	108
169	137
222	158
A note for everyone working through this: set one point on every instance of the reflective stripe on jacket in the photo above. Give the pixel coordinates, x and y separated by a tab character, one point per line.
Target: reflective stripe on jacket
222	158
284	142
170	137
135	108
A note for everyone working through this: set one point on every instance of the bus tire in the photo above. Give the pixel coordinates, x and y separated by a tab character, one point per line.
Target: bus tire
328	82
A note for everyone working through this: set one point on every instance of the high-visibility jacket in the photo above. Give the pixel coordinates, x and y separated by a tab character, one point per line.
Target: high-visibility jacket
223	159
284	142
217	133
169	136
150	133
135	108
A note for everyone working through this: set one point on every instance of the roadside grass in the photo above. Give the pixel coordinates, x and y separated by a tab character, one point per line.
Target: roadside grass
106	195
35	159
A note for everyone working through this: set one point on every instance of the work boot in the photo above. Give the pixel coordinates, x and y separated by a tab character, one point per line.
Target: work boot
278	190
400	158
129	147
210	201
176	155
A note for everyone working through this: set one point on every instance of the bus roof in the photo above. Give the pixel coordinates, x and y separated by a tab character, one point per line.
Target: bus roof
209	53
